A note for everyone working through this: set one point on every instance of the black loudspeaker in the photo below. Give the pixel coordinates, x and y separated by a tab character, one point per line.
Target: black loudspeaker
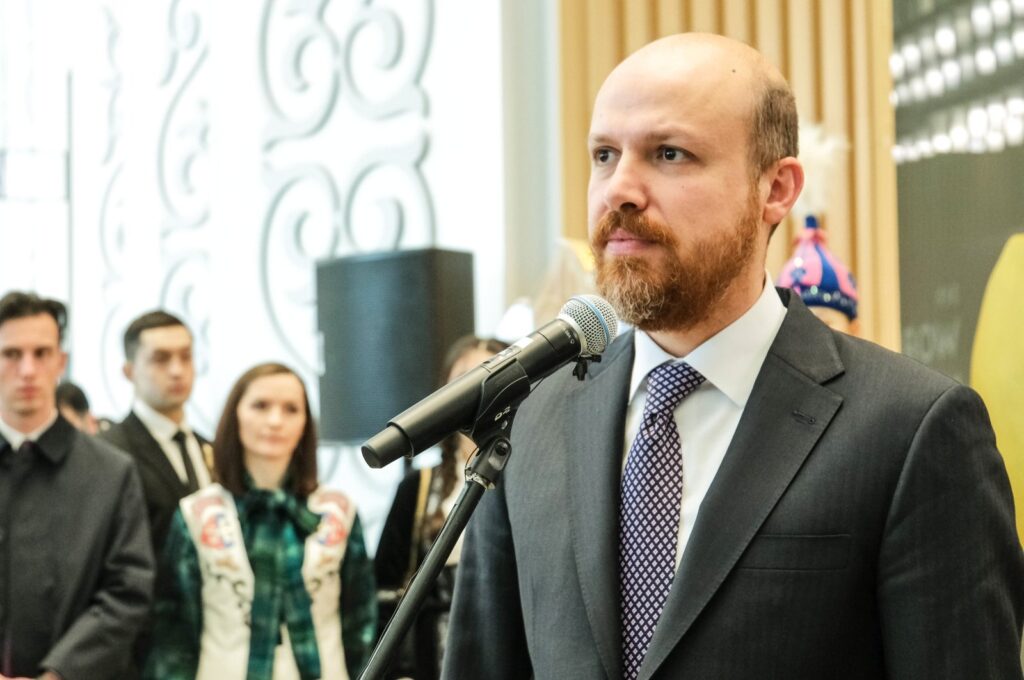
387	320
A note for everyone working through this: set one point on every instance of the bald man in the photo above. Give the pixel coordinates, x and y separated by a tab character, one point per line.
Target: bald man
735	491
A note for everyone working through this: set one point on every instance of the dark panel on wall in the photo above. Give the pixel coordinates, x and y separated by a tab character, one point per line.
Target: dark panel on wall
387	320
958	79
956	215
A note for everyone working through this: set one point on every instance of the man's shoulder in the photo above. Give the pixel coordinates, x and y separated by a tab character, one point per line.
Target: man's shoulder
851	366
120	434
868	362
101	452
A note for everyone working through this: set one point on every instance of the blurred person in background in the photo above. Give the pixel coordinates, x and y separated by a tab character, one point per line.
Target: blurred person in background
269	578
74	406
173	460
76	568
421	506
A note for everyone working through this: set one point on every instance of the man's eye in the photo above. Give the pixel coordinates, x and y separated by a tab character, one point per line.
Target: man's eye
602	156
669	153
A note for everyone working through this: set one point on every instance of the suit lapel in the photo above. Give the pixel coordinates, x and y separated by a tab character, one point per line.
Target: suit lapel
149	452
787	412
594	431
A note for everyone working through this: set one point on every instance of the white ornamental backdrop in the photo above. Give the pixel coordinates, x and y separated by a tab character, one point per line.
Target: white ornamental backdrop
217	151
220	151
355	89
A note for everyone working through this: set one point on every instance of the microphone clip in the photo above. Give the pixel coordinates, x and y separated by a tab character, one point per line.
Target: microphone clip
583	364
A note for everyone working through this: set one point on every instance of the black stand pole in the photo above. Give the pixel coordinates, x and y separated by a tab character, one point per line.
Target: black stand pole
482	473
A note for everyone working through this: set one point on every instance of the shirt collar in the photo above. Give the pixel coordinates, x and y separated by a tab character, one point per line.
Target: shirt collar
731	359
16	438
160	426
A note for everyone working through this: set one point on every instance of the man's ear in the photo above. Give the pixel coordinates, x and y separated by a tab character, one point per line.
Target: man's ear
129	371
63	364
787	179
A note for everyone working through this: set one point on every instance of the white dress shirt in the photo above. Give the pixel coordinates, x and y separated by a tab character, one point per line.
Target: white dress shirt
16	438
163	430
707	418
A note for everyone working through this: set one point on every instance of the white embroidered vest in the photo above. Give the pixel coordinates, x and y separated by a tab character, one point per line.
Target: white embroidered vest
228	584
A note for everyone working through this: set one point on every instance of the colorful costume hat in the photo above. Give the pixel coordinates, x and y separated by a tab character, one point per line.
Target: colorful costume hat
817	275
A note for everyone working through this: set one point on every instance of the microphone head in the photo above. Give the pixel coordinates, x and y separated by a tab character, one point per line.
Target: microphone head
596	320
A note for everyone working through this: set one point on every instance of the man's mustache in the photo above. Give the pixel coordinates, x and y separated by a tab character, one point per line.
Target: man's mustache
637	224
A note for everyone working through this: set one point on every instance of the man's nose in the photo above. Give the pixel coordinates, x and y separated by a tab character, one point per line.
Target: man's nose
178	366
28	364
625	190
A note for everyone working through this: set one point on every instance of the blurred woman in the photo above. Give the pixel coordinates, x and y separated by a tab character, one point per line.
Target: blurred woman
420	508
269	576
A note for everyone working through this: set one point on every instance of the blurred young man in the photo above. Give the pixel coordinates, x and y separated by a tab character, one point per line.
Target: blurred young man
172	459
76	567
736	491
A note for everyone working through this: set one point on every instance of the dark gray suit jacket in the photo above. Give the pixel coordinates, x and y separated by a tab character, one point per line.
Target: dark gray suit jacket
79	562
861	526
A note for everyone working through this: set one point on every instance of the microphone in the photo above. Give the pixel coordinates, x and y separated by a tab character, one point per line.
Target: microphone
585	326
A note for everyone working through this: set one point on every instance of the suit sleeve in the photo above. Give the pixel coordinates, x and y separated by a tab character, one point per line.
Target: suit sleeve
951	570
98	640
486	636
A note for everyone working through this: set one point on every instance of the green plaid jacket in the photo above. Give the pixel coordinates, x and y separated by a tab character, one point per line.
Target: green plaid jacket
274	527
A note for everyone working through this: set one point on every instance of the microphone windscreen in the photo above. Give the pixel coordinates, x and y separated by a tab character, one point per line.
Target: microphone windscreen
596	320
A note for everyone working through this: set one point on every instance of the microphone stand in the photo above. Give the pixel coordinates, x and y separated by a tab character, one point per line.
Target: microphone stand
502	394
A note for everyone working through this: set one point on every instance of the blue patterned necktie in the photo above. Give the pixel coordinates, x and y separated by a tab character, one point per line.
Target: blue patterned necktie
652	492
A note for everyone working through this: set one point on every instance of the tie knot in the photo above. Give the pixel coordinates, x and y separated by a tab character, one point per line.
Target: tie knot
668	384
179	437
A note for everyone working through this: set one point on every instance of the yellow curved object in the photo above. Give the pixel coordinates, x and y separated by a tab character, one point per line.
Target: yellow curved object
997	362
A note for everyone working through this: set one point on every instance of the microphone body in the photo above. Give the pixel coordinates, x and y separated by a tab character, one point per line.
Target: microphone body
457	405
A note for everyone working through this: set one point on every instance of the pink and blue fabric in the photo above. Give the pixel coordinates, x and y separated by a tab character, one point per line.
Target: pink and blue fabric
820	278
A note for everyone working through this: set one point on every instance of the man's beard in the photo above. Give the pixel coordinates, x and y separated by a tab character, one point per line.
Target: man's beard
677	290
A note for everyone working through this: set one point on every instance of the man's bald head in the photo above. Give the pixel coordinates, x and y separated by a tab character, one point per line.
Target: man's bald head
735	71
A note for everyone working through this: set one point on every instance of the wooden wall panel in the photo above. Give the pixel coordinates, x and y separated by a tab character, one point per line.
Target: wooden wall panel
639	23
706	16
802	55
770	29
862	161
576	106
834	116
737	19
603	19
671	17
770	32
884	302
